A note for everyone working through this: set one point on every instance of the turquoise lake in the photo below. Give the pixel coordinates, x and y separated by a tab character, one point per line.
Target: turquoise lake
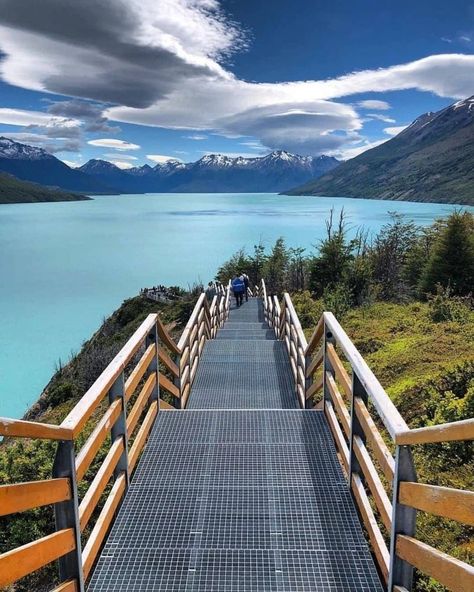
65	266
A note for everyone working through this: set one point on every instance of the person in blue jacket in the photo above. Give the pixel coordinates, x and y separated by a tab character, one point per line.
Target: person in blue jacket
238	288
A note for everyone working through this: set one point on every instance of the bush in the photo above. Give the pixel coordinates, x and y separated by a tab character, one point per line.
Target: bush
444	307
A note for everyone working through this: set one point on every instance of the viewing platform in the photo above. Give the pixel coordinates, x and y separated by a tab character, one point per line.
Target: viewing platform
227	477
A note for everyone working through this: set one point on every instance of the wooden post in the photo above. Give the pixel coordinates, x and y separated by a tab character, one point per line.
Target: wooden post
403	520
67	514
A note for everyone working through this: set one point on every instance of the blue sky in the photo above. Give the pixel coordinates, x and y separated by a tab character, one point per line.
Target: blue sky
139	81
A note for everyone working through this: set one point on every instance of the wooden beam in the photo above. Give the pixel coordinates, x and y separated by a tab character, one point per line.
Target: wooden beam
337	434
445	432
454	504
22	561
314	388
341	373
386	410
96	488
374	438
142	435
168	362
339	404
316	336
169	386
18	428
81	413
19	497
374	483
101	527
70	586
97	438
140	404
139	371
378	544
315	362
164	406
166	338
448	571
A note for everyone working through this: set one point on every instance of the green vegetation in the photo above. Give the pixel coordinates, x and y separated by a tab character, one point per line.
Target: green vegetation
30	460
405	301
13	191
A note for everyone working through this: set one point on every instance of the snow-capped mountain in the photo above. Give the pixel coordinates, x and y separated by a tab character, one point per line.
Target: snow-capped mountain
35	164
216	173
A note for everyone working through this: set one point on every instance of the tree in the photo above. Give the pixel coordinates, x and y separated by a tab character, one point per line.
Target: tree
276	268
452	259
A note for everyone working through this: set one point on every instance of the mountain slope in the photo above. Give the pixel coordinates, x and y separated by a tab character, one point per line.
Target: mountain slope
35	164
14	191
432	160
214	173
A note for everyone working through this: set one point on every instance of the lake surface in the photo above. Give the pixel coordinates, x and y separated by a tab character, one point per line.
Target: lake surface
65	266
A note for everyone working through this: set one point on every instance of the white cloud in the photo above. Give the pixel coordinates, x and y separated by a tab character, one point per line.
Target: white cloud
348	153
113	143
232	154
393	131
161	158
195	137
373	104
25	118
161	63
380	117
122	164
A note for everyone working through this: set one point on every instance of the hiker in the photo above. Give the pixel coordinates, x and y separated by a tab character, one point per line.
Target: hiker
238	288
211	290
245	278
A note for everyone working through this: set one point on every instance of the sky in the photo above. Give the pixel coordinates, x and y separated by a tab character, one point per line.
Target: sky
141	81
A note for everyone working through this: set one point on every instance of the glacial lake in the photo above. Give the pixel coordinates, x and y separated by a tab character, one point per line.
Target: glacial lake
65	266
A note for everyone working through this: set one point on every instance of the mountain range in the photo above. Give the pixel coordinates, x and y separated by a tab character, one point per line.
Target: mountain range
432	160
275	172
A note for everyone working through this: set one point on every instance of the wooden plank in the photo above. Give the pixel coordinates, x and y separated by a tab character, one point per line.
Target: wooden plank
81	413
293	368
386	410
202	343
92	496
185	376
169	386
18	428
399	589
448	571
301	380
165	337
138	372
164	406
341	373
140	404
314	388
192	321
20	562
315	362
337	433
295	321
193	370
168	362
18	497
339	404
374	438
70	586
101	527
97	438
445	432
441	501
184	358
374	483
378	544
316	336
185	395
300	393
142	435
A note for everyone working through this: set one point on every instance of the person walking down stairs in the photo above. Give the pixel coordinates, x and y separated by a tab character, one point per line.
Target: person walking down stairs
238	288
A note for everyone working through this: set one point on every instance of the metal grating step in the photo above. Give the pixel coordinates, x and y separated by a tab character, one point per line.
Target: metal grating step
232	334
237	501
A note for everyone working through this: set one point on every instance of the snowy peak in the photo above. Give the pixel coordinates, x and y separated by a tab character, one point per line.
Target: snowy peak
96	166
17	151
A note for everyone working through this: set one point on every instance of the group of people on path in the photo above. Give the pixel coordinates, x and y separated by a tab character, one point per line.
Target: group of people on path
240	288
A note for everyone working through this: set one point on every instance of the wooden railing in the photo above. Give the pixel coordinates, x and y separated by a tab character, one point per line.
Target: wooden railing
120	408
384	486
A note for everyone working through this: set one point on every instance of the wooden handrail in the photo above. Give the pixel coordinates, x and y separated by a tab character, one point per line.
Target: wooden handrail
165	337
19	497
81	413
445	432
18	428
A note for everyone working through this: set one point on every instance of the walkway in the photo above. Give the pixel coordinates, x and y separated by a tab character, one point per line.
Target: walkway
242	492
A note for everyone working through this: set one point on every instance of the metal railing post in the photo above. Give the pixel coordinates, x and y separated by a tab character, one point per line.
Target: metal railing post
308	404
403	520
358	390
67	514
327	366
154	366
119	429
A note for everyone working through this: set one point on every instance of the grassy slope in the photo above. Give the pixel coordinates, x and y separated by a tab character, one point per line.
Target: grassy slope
427	368
13	191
